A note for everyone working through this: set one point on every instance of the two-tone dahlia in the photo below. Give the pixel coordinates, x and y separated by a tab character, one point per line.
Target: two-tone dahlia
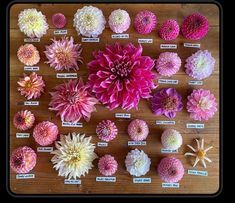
32	23
23	120
120	76
138	130
106	130
28	54
169	30
72	101
59	20
63	54
107	165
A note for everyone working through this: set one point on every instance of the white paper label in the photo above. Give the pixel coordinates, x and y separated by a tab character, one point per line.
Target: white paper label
122	115
190	45
165	151
145	41
136	143
44	149
25	176
22	135
168	81
32	40
165	122
195	82
195	125
105	179
142	180
60	32
66	75
168	46
120	36
70	124
72	182
170	185
197	173
102	144
31	68
90	39
31	103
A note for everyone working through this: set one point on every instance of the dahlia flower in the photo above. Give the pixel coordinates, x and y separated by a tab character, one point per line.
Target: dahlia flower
72	102
89	21
107	165
171	139
201	105
23	120
169	30
28	54
73	155
31	86
167	102
106	130
64	54
59	20
32	23
119	76
138	130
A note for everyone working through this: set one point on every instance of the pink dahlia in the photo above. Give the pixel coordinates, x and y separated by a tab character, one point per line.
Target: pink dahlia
168	63
145	22
107	165
195	26
201	105
106	130
59	20
64	54
119	76
23	159
72	101
167	102
31	86
169	30
138	130
45	133
170	169
23	120
28	54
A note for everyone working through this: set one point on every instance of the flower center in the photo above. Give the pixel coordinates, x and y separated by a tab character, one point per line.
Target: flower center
197	23
90	21
118	19
18	161
169	103
20	120
63	57
72	97
204	103
138	163
172	171
145	20
201	154
106	131
73	156
29	84
27	53
121	68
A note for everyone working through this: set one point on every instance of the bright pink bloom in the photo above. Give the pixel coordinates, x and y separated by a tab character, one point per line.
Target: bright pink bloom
23	120
106	130
169	30
138	130
107	165
59	20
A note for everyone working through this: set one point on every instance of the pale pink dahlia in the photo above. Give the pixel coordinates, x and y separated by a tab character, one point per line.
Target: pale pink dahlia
145	22
59	20
201	105
170	169
23	120
169	30
138	130
31	86
23	159
166	101
119	76
107	165
106	130
64	54
72	101
168	63
195	26
28	54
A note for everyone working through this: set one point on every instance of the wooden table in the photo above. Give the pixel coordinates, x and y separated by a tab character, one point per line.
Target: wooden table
46	180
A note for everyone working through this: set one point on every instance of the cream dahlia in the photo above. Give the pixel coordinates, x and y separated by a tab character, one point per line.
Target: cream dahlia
28	54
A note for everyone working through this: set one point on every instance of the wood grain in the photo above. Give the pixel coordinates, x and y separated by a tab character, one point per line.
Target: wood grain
47	181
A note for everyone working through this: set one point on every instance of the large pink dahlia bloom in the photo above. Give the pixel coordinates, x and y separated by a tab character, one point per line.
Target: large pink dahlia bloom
72	101
119	76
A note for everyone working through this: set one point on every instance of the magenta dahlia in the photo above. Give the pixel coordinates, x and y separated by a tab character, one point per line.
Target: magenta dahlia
169	30
72	101
59	20
119	76
106	130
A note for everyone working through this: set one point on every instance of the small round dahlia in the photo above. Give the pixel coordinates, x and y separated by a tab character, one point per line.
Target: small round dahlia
59	20
168	63
169	30
166	101
64	54
23	159
145	22
201	105
28	54
89	21
106	130
31	86
171	139
137	163
45	133
107	165
170	169
72	101
23	120
195	26
200	65
138	130
119	21
32	23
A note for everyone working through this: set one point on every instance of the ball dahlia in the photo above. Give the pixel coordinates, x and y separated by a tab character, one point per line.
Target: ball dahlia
72	102
119	76
171	139
138	130
23	120
59	20
28	54
106	130
169	30
201	105
64	54
107	165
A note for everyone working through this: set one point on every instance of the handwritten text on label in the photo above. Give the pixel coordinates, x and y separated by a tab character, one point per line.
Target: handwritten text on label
102	144
72	182
69	124
66	75
32	40
142	180
169	151
195	125
22	135
25	176
31	103
165	122
170	185
122	115
136	143
145	41
168	81
105	179
168	46
190	45
195	82
44	149
31	68
90	39
120	36
60	32
197	173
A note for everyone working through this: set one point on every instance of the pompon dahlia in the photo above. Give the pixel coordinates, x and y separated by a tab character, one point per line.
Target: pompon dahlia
195	26
59	20
119	76
166	101
107	165
64	54
31	86
138	130
106	130
119	21
72	102
169	30
201	105
89	21
200	65
45	133
23	159
137	162
74	155
28	54
32	23
168	63
145	22
171	139
23	120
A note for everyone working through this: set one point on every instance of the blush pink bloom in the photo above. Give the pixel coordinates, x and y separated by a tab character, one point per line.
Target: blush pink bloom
106	130
59	20
107	165
138	130
23	120
169	30
28	54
